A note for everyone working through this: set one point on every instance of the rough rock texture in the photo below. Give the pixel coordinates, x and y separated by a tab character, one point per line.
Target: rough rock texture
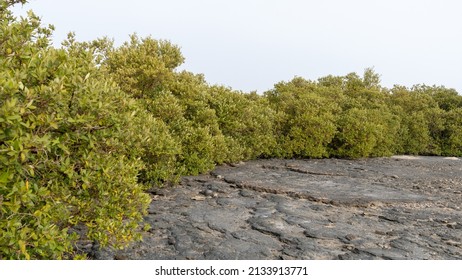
384	208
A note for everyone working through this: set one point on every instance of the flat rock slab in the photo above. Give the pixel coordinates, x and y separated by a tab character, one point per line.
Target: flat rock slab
401	207
314	181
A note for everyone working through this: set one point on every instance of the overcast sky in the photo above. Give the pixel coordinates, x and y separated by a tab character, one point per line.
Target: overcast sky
253	44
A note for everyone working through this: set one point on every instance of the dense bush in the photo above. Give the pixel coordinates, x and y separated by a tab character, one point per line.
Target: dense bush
211	124
86	128
305	121
363	133
334	116
68	156
246	121
145	68
367	126
427	119
452	133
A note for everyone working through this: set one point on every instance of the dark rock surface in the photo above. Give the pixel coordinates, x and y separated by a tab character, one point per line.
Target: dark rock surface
384	208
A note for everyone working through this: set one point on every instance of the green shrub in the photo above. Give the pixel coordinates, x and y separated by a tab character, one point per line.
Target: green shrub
422	121
143	67
305	119
246	121
446	99
66	153
452	143
364	133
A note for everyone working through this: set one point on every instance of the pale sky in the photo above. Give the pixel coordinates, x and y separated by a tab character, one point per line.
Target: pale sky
253	44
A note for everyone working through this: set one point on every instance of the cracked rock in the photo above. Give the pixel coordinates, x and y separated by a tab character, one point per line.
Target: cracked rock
383	208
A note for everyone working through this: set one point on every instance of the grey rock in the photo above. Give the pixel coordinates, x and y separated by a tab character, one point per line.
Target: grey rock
208	192
381	208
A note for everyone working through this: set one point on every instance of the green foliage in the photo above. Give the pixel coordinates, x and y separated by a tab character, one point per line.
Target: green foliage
210	124
364	133
305	121
452	140
143	67
446	99
422	121
366	126
246	121
85	129
66	149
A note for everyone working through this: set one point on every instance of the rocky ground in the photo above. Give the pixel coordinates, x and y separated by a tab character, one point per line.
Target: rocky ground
384	208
